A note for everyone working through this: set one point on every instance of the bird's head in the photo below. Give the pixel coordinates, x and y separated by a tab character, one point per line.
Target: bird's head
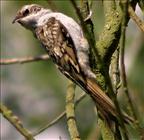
29	15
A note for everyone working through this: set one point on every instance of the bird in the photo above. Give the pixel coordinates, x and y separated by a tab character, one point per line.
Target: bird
65	43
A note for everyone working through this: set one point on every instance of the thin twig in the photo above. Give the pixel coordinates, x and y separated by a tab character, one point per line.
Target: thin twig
50	124
137	20
23	60
124	5
70	112
14	120
58	118
122	58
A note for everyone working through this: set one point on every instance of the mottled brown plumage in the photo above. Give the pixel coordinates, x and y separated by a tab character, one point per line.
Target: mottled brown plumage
64	42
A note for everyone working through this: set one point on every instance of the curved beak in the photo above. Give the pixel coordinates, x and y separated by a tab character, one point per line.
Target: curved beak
16	19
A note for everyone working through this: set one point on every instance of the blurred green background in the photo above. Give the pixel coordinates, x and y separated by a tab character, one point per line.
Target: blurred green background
36	91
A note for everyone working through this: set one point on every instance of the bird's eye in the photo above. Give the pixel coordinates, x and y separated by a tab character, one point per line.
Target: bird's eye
26	12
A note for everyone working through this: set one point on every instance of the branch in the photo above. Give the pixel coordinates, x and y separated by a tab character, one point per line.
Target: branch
43	128
59	117
83	14
107	44
70	113
106	132
23	60
14	120
109	38
125	8
137	20
109	6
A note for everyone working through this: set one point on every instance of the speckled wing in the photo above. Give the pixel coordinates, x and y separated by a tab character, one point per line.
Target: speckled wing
60	47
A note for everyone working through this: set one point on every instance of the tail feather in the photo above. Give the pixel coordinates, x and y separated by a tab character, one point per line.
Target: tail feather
104	103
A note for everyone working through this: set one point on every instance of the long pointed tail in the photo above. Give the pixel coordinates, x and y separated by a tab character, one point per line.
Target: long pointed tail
103	102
